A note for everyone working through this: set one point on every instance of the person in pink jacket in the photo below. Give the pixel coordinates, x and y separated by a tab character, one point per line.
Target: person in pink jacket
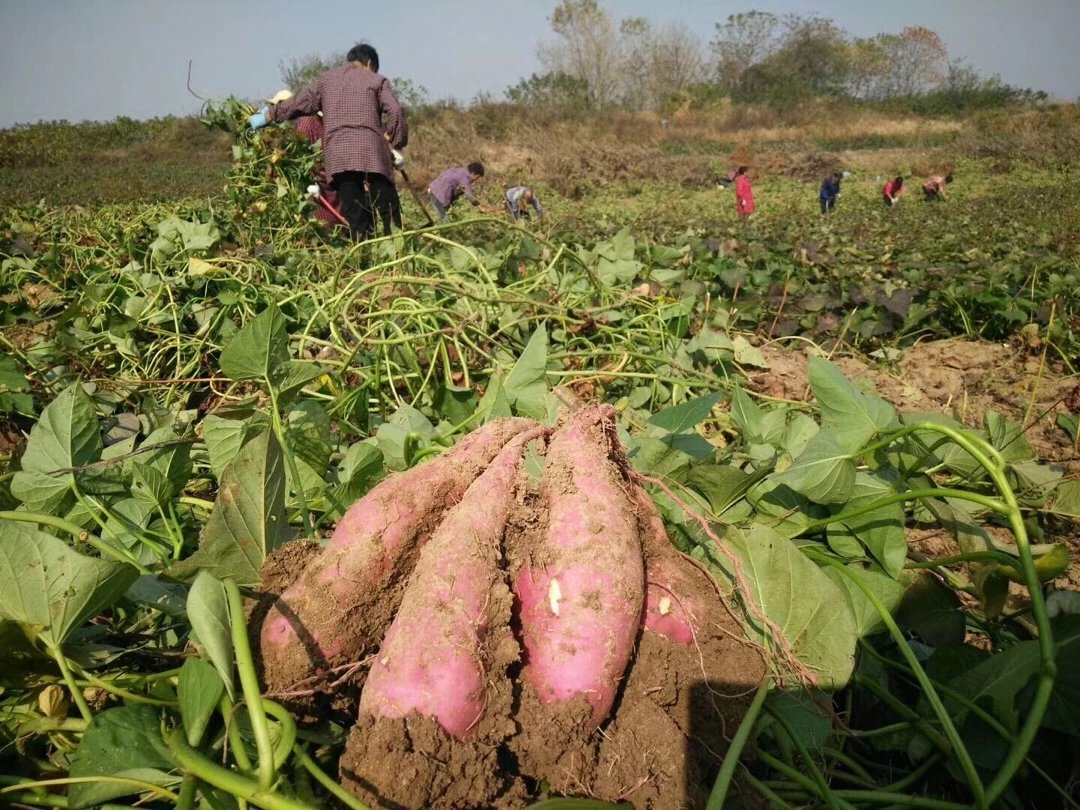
744	195
892	191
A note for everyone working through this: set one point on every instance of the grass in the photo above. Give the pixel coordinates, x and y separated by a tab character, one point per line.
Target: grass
571	154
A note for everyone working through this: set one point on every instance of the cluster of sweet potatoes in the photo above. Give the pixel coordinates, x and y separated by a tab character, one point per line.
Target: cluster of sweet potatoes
498	615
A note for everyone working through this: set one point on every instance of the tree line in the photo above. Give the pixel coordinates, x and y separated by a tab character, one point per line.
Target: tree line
599	61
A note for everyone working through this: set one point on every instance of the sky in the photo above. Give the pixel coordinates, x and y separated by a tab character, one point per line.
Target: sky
99	59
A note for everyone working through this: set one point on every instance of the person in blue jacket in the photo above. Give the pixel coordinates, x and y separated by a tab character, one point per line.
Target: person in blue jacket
830	190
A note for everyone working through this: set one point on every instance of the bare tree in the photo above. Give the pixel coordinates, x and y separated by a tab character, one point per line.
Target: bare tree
917	59
299	73
676	62
747	39
588	49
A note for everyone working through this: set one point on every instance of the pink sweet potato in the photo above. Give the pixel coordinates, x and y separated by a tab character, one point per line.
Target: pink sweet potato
581	592
671	608
345	598
437	657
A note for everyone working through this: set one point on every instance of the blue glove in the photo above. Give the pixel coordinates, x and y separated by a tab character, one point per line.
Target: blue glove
259	119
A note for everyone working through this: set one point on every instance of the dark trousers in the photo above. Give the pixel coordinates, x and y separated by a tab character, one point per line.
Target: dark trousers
363	194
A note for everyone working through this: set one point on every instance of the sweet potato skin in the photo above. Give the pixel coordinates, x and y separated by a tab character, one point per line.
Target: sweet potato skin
339	605
436	657
670	608
581	595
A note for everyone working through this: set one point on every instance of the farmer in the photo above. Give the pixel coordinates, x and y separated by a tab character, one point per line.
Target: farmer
454	183
360	115
830	190
934	187
517	198
892	191
744	195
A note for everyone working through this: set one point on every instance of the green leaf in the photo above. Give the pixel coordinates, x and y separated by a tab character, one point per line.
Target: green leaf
172	459
881	530
809	609
997	681
746	417
295	375
50	588
224	436
721	484
494	404
455	404
888	591
168	597
122	742
248	520
1063	713
853	416
658	458
1066	500
307	430
931	610
747	354
208	612
823	472
784	509
685	416
806	713
615	263
1007	438
526	384
66	436
199	689
361	467
259	350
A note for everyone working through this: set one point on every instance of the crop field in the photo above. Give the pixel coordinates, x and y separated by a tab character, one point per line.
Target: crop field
819	475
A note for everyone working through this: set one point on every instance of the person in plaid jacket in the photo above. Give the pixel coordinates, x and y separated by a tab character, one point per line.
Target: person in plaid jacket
362	118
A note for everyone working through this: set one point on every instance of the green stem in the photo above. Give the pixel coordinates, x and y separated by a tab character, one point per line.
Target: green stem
961	753
718	796
249	681
286	448
236	740
810	764
333	787
287	734
108	686
189	789
909	495
995	725
77	532
764	790
148	787
76	693
239	786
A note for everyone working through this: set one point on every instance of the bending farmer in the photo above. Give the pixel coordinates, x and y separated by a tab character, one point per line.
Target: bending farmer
454	183
520	196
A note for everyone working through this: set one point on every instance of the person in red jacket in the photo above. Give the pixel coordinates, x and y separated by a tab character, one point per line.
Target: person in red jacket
744	194
892	191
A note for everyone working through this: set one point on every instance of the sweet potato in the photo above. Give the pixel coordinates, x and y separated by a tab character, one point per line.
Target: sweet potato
671	608
344	599
436	659
581	592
